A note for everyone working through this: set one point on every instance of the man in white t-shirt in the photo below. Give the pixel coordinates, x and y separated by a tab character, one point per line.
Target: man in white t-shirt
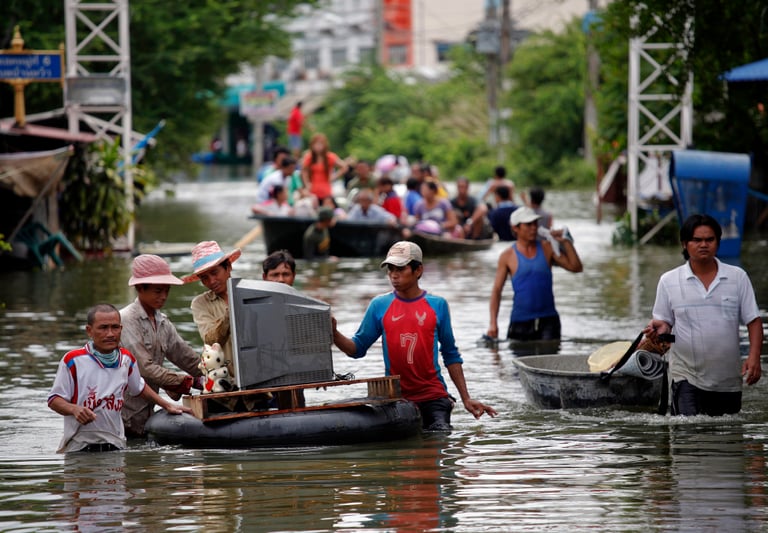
704	302
278	177
90	383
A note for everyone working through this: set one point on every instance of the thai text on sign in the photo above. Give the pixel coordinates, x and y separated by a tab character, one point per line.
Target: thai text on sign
31	66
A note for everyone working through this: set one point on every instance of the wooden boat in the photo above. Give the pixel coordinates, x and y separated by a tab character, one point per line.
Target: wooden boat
165	249
348	238
565	381
433	245
382	416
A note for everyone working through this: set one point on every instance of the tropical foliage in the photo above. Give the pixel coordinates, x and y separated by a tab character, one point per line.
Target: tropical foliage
547	106
446	122
726	35
95	196
180	54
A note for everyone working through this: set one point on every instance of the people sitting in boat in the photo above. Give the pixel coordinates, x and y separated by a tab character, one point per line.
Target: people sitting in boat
363	179
366	210
210	310
415	327
330	202
437	210
528	262
412	197
281	177
152	338
316	242
471	213
431	173
276	205
388	198
280	267
499	215
270	166
320	167
394	166
499	179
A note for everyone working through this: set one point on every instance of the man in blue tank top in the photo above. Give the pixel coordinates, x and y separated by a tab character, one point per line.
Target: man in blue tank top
529	263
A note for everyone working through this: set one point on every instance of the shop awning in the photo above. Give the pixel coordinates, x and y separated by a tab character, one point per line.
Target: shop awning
757	71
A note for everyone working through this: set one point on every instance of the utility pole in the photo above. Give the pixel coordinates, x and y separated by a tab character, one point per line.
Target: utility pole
506	33
378	18
258	127
505	53
488	43
593	72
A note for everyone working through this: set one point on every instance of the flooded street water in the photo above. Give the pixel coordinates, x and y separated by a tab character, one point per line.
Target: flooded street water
526	470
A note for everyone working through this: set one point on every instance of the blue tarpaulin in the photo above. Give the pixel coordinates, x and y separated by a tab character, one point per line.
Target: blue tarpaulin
714	183
757	71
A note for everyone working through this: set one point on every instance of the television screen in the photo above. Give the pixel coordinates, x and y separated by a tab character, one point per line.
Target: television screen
279	335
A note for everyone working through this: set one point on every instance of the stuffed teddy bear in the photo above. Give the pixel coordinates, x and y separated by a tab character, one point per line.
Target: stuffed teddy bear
214	367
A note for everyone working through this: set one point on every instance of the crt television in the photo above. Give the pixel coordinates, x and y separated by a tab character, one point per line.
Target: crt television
279	335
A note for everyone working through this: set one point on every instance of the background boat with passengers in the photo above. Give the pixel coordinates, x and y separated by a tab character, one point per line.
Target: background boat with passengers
600	465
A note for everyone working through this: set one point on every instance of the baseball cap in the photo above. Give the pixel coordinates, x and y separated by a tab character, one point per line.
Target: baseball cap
401	253
523	215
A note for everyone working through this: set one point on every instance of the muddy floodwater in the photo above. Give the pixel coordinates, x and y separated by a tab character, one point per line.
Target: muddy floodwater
526	470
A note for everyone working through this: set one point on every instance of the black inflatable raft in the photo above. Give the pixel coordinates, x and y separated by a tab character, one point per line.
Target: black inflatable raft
348	425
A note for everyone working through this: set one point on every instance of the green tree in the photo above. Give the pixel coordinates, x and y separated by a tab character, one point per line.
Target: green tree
726	35
180	54
378	112
547	102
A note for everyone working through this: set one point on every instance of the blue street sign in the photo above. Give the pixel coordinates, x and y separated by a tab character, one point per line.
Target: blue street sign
31	66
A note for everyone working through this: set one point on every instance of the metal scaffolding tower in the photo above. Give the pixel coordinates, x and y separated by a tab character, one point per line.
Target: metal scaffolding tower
660	116
98	77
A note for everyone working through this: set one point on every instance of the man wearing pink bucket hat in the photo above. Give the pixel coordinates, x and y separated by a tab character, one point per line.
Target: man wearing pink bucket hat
210	310
152	338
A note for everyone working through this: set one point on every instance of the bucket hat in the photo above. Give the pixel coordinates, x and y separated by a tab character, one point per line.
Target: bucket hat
206	255
151	269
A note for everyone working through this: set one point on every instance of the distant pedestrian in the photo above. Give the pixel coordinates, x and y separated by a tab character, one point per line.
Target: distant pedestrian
534	200
499	179
294	128
499	215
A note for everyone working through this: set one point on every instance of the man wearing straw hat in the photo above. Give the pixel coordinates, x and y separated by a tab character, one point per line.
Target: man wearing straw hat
210	310
152	338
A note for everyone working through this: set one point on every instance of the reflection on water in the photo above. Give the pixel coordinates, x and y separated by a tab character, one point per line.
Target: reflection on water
528	469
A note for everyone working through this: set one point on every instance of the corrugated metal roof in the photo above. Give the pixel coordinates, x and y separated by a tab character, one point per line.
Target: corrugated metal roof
757	71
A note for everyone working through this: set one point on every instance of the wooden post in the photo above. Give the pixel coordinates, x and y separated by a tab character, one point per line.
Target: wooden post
19	109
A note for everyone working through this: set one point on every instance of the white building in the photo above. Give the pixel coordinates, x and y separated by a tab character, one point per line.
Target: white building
340	33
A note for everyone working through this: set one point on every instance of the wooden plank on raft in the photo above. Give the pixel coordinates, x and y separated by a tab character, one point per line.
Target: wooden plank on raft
290	399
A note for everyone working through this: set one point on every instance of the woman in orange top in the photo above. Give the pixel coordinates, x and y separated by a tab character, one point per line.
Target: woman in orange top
319	167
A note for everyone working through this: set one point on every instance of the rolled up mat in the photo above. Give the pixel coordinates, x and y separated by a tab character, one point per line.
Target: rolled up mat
642	364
